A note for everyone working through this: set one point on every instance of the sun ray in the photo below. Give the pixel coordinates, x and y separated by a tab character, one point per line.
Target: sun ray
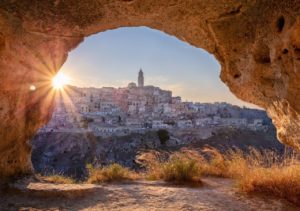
64	97
60	80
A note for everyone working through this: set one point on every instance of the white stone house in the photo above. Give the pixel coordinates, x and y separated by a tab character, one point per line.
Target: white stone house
184	123
159	124
202	122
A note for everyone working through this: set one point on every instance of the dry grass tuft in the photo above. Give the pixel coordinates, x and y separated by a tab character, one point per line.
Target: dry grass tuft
179	168
255	171
258	171
57	179
281	181
111	173
232	164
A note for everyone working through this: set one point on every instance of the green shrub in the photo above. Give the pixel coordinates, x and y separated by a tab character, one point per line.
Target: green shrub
163	136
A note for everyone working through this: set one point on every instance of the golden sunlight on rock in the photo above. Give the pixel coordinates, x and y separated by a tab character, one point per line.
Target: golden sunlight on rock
257	44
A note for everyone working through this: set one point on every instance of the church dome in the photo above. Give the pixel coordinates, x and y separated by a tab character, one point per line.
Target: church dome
132	85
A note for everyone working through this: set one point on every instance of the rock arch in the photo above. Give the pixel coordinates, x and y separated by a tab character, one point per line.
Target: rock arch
256	42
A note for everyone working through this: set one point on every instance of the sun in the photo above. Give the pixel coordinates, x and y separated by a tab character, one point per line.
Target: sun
60	80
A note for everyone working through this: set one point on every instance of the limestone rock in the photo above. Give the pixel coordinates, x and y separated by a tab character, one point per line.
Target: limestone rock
256	42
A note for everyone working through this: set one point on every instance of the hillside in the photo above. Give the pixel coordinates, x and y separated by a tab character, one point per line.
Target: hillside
68	153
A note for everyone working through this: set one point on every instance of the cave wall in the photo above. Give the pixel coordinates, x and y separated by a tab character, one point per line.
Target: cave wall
256	42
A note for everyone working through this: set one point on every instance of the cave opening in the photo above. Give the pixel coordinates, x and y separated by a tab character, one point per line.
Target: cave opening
257	45
97	106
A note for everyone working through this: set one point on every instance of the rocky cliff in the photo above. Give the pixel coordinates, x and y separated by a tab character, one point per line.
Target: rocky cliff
68	153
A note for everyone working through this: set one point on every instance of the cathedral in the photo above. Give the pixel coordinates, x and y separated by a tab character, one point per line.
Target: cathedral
140	80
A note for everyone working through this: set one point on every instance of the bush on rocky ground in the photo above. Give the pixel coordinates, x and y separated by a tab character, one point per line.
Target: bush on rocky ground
112	173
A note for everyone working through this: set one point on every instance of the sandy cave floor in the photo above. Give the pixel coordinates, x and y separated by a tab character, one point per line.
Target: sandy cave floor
215	194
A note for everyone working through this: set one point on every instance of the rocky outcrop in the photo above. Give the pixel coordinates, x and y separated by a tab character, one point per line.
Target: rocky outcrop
68	153
63	153
256	42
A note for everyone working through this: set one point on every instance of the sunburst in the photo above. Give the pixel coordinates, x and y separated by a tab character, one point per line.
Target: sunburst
60	80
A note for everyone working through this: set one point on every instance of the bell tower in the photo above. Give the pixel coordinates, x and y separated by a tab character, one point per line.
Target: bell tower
141	78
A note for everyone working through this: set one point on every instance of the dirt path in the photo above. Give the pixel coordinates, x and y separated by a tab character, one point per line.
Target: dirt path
216	194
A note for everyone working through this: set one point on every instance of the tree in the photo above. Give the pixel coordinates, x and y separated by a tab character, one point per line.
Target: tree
163	136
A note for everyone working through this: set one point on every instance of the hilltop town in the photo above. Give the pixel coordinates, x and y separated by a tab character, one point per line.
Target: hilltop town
138	108
114	125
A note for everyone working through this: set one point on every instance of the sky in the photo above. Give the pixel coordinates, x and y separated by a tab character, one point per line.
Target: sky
114	57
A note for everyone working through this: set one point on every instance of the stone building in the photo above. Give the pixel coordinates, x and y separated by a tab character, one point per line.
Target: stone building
141	78
110	110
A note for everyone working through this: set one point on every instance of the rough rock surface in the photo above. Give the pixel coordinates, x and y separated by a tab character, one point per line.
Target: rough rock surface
216	194
256	42
63	153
